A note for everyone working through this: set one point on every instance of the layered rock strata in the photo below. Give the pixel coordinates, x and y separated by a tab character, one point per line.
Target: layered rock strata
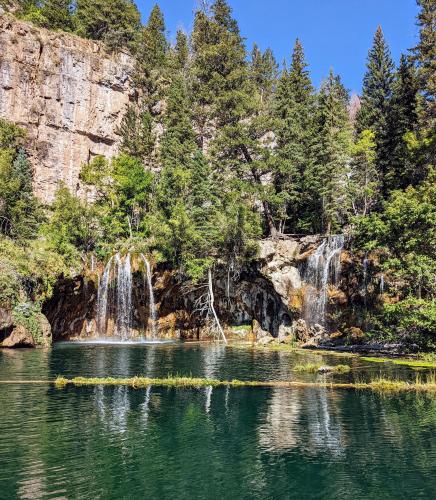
68	93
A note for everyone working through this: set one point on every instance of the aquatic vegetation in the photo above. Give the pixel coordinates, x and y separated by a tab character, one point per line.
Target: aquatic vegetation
308	367
380	384
419	363
320	368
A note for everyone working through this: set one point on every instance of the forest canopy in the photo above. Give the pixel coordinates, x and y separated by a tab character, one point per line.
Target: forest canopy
224	146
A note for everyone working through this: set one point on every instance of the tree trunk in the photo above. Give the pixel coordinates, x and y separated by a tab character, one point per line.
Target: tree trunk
212	306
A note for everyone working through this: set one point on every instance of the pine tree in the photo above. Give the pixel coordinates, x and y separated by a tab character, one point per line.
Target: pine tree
115	22
152	63
181	51
136	131
57	14
294	108
228	108
177	148
328	178
403	169
425	55
375	102
363	186
20	211
263	71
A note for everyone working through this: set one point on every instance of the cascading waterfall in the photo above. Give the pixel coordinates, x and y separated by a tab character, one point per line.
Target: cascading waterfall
152	303
102	298
323	268
365	279
124	296
114	298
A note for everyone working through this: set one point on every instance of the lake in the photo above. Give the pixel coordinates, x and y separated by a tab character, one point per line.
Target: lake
223	443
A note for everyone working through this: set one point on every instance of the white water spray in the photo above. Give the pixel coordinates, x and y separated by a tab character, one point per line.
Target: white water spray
152	303
124	296
323	268
102	299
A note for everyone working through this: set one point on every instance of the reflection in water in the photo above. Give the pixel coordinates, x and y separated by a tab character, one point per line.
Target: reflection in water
118	442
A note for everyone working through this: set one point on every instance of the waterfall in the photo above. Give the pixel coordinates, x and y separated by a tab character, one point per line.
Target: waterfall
115	298
124	296
323	267
152	303
102	299
382	284
365	279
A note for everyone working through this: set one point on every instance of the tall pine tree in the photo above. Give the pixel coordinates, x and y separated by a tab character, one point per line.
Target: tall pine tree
375	102
403	168
327	180
294	109
425	55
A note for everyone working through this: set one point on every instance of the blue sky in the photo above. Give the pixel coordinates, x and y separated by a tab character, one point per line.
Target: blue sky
334	33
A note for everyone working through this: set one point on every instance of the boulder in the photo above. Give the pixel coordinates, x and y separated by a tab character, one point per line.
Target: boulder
289	339
301	331
23	337
268	339
20	337
355	335
258	332
285	332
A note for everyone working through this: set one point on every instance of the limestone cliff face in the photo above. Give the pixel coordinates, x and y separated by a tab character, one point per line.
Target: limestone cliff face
68	93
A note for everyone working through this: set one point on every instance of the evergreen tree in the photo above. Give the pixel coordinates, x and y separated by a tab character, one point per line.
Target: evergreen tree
263	71
151	50
136	131
57	14
375	102
177	148
20	211
294	109
404	169
115	22
425	55
181	51
364	186
327	180
228	110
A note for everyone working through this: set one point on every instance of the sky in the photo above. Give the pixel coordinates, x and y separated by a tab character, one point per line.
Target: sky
335	33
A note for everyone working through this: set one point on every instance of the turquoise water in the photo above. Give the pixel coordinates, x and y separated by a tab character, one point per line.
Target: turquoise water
117	442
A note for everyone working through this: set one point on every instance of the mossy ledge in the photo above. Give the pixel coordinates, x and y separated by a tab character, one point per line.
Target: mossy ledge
413	363
380	384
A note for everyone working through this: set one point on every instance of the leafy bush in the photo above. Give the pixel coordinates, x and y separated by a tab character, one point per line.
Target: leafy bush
413	319
26	314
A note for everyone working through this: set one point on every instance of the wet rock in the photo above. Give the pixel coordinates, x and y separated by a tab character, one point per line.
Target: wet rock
23	337
289	339
20	337
268	339
355	335
337	297
301	331
285	332
259	333
279	266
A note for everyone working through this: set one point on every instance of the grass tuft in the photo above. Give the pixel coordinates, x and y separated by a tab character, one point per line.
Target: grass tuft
381	384
308	367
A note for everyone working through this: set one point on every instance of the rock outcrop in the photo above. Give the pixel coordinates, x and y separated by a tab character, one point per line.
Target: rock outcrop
19	335
68	93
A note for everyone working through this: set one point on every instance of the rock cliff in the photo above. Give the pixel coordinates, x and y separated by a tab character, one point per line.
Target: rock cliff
68	93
